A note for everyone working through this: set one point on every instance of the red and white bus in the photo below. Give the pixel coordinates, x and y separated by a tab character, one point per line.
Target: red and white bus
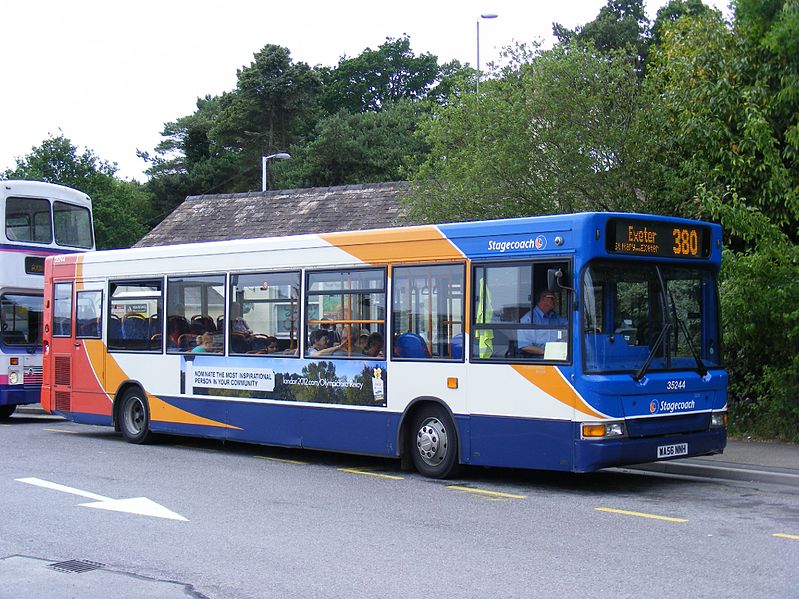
421	342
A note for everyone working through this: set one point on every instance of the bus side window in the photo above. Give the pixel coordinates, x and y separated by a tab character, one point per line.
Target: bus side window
264	313
89	314
427	312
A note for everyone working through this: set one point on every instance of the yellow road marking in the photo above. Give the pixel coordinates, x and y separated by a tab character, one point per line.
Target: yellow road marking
5	425
263	457
367	473
484	492
60	430
640	514
784	536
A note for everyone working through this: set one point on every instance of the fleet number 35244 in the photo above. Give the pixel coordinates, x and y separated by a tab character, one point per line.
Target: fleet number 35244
675	385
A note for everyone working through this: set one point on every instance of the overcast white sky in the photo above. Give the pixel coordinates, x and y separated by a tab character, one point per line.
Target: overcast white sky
109	74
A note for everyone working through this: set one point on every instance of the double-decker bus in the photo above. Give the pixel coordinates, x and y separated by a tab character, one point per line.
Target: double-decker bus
570	342
40	219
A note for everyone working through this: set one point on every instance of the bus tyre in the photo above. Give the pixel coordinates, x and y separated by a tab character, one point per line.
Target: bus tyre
134	417
6	411
433	443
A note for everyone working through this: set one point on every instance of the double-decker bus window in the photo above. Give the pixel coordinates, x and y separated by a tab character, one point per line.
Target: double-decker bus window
264	313
62	310
89	314
21	317
515	316
28	219
134	315
427	312
72	225
342	308
194	307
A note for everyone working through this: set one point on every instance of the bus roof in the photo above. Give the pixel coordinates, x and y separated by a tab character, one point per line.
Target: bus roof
39	189
494	239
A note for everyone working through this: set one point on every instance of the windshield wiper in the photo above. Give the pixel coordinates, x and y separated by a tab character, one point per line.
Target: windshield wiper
642	371
700	365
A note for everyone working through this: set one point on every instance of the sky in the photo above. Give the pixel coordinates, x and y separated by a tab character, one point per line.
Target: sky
109	74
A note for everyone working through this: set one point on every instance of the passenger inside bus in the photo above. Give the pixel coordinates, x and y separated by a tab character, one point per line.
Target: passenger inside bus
206	345
374	346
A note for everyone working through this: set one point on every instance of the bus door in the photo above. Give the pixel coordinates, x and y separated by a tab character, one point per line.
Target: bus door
78	356
62	347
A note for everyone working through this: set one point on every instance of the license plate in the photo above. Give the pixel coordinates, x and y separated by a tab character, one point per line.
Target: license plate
670	451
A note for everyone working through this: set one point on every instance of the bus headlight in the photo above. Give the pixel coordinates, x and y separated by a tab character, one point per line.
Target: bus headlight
13	377
718	420
602	430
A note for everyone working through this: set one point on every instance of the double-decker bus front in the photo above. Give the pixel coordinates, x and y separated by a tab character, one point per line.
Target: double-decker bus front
649	342
39	219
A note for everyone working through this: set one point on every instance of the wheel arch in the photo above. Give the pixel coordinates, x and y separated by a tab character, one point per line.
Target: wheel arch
413	407
123	388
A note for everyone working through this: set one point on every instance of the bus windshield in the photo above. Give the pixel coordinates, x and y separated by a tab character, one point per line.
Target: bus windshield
21	317
639	317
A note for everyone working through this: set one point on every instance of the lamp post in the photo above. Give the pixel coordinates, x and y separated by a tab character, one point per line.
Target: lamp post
485	16
264	161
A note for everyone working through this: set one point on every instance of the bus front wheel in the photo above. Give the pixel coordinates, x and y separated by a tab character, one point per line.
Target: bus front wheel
134	417
6	411
433	443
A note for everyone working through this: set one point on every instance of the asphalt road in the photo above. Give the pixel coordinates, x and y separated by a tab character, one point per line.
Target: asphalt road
248	521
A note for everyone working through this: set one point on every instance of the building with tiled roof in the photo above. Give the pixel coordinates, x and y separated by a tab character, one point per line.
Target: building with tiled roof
216	217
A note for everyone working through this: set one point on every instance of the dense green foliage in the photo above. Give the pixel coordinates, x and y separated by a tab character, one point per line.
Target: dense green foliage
686	115
352	123
117	205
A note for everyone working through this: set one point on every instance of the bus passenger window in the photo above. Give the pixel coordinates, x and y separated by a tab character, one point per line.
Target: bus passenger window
264	313
344	310
130	306
427	312
193	306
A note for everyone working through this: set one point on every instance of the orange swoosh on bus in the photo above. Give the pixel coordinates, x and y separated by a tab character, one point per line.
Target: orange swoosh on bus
159	409
402	244
551	382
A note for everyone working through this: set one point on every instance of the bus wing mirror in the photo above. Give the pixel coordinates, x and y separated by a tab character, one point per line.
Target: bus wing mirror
555	279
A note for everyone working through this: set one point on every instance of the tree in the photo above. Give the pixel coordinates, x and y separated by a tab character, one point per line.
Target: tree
731	104
273	106
117	206
543	138
620	25
377	78
369	147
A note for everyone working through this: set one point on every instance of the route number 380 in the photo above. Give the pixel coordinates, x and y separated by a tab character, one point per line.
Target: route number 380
686	242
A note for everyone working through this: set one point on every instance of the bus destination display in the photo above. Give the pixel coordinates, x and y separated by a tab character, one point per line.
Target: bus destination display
653	238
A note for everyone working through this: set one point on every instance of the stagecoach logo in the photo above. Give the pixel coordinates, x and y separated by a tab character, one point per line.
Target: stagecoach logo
539	243
670	406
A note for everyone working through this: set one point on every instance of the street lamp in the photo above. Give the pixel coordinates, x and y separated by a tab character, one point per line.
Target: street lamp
486	16
264	160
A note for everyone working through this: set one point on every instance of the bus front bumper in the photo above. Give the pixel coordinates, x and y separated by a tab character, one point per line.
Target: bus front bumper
591	455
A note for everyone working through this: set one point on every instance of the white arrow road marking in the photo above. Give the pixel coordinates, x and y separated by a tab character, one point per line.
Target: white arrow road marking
134	505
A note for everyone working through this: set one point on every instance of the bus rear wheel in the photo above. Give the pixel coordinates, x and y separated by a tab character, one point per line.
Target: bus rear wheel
6	411
134	417
433	443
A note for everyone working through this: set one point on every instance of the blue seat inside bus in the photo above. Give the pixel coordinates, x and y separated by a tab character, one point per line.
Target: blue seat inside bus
411	345
135	327
457	346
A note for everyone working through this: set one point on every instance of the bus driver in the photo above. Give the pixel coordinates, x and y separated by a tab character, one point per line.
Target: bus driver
533	341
